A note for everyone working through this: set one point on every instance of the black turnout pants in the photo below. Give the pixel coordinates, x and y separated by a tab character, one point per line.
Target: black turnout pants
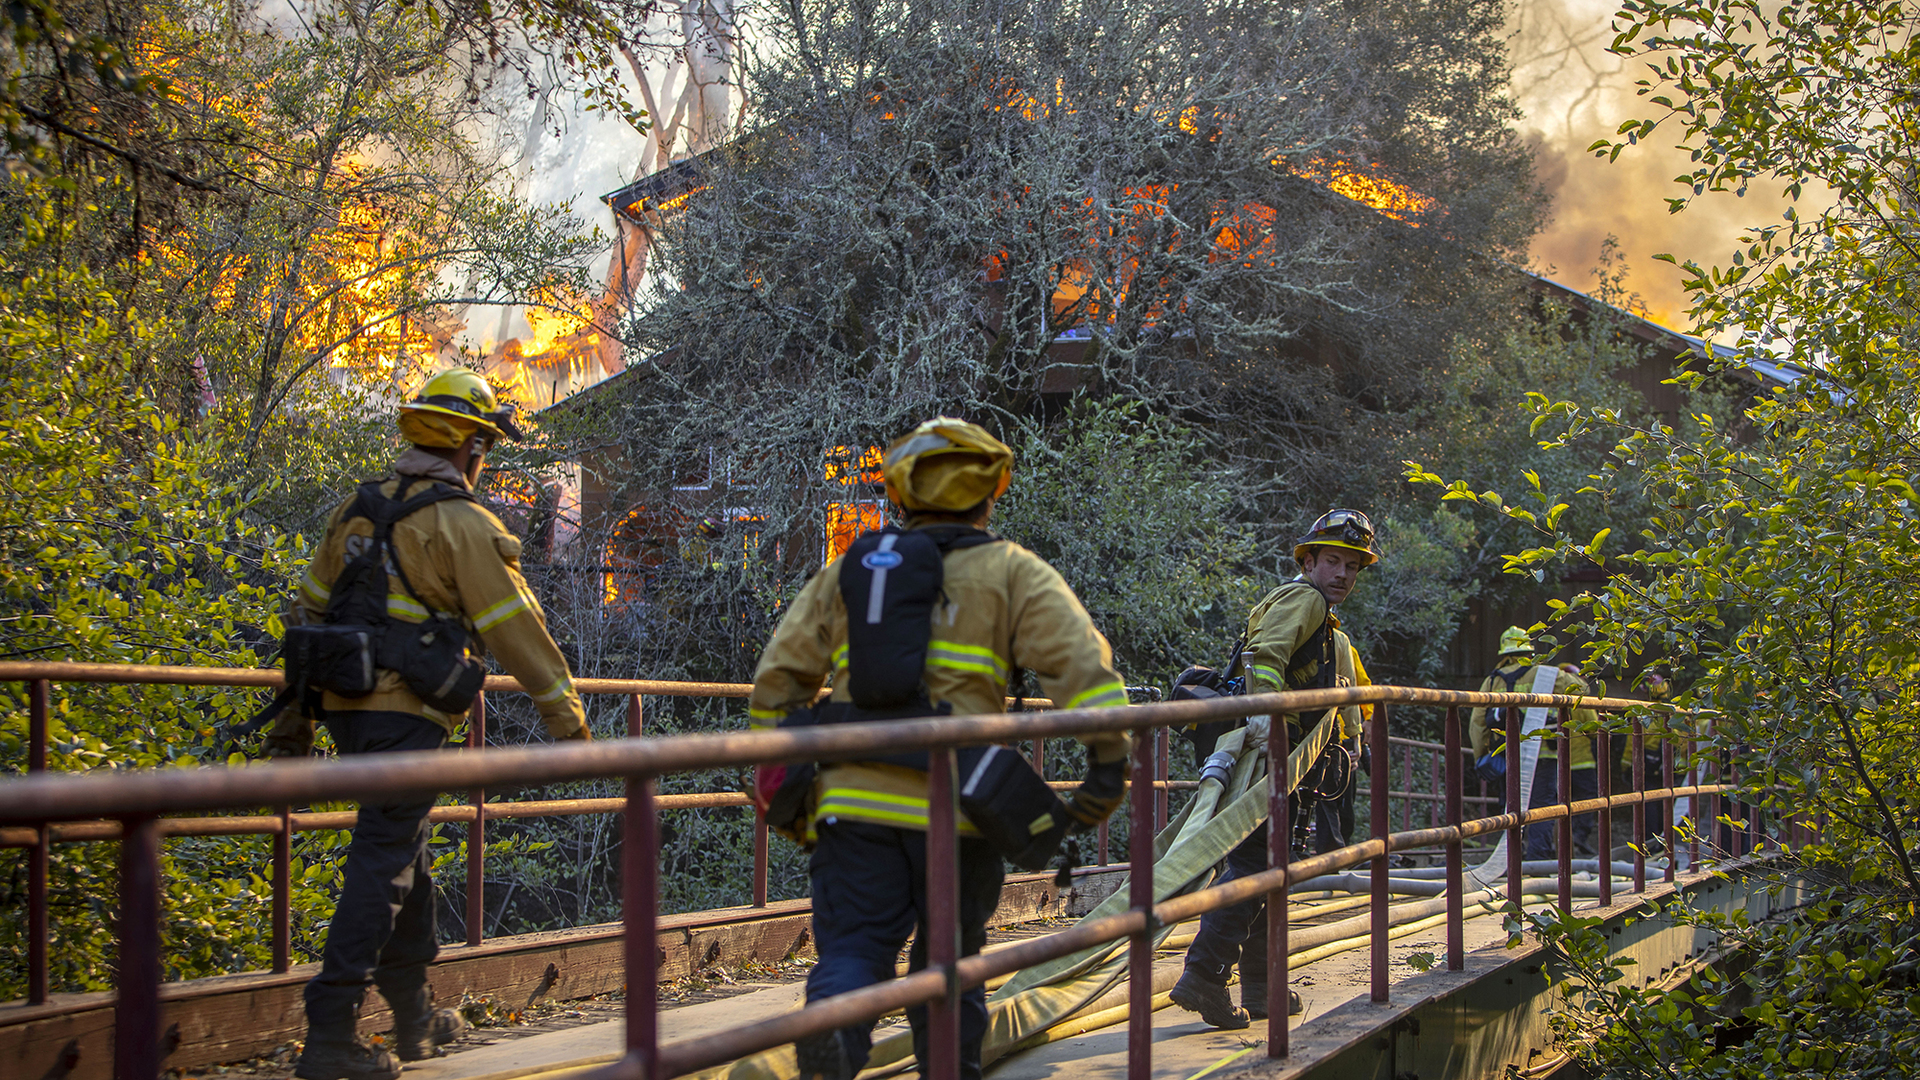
1236	933
382	930
869	892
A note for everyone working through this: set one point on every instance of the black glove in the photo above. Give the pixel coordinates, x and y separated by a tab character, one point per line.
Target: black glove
291	744
1366	760
1099	794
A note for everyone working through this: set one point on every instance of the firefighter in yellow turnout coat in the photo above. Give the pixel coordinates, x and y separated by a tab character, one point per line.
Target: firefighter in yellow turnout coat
454	560
1515	672
1292	636
1002	609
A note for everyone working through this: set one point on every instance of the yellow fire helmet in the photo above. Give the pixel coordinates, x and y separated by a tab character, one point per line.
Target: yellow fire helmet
1515	642
946	465
1348	529
451	407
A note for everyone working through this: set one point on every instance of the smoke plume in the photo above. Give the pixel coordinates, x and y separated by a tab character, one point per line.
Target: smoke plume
1573	92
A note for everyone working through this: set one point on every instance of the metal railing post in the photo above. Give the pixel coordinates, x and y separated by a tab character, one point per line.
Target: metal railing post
136	1006
283	892
1140	897
1640	807
636	715
1378	737
640	897
1162	751
1603	836
1565	830
1406	788
943	915
1102	844
477	829
1667	805
1279	856
760	858
1456	904
1434	780
39	856
1517	833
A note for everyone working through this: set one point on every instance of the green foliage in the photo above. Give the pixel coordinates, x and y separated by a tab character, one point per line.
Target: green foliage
1127	506
120	542
1408	605
1776	559
227	241
1829	991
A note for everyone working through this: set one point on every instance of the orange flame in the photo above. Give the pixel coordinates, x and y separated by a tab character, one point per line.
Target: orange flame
847	520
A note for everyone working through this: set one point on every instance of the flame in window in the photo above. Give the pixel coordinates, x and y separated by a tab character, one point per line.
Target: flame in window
846	520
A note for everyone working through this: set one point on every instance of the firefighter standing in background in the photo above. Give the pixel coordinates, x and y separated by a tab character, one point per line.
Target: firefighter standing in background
1513	673
1002	608
459	560
1291	633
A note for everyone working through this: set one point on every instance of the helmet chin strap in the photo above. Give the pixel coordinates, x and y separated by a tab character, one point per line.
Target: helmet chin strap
470	458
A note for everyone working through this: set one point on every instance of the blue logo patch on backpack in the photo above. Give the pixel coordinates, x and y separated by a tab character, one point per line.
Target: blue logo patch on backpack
882	560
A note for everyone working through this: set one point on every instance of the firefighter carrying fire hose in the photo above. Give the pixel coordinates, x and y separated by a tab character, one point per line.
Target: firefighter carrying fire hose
410	570
935	618
1296	645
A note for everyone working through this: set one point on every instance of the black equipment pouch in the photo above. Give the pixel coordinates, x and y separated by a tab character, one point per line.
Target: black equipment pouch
1011	806
790	800
433	659
344	660
431	656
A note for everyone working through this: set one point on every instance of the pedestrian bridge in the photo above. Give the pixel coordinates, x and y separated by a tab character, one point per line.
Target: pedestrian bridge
1402	970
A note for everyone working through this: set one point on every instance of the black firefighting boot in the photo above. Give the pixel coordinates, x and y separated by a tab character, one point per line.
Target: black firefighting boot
1197	993
334	1050
1253	998
419	1029
823	1056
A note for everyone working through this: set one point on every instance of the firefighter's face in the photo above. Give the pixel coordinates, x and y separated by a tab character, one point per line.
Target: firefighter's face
1333	571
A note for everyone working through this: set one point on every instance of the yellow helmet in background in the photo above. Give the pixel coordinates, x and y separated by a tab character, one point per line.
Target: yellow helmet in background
946	465
451	407
1348	529
1515	641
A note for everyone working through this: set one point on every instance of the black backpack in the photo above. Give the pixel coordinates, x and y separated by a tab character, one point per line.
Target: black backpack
1498	715
1200	683
890	580
346	653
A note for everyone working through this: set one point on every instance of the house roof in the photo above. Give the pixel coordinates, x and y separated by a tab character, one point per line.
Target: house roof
676	181
1674	342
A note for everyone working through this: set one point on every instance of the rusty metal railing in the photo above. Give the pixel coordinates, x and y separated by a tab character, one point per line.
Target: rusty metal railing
137	801
40	678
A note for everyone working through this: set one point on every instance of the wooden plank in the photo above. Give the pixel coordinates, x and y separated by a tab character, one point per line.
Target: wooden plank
235	1017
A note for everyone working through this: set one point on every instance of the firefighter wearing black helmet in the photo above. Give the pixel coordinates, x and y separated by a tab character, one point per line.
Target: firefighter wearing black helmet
1293	636
449	559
